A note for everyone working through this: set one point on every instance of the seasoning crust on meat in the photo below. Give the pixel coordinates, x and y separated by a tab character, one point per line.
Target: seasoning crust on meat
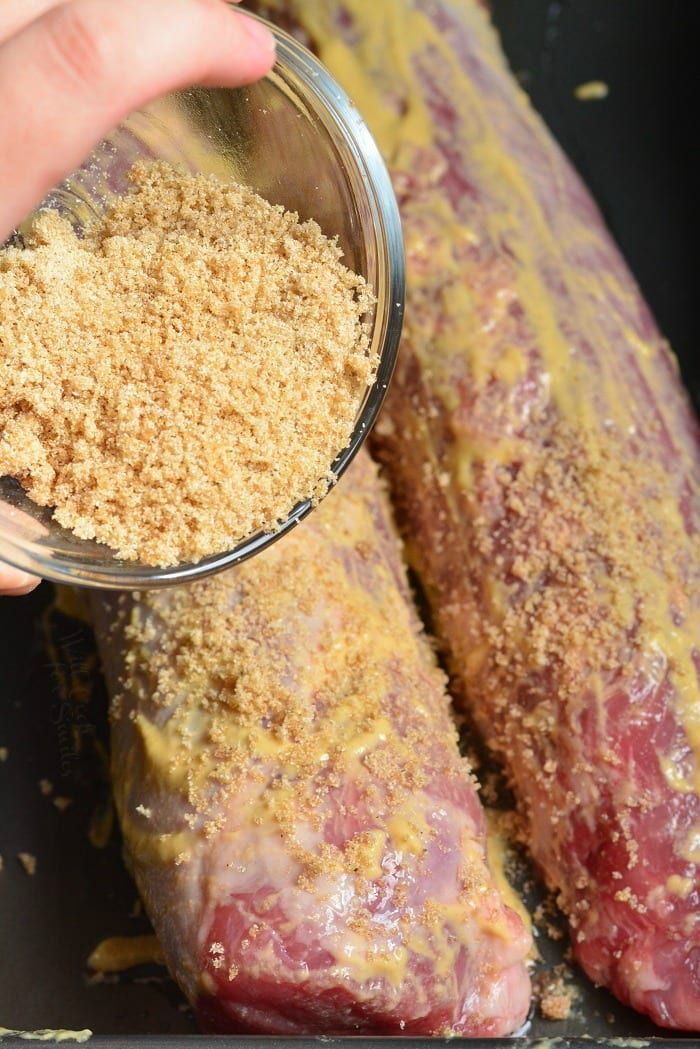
306	838
545	462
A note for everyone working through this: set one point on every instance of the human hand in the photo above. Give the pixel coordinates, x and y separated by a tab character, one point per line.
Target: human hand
71	71
14	582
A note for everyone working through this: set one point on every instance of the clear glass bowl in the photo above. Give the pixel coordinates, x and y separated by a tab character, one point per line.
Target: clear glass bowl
296	139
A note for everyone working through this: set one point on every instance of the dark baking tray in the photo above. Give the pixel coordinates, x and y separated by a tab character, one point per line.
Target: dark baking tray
634	151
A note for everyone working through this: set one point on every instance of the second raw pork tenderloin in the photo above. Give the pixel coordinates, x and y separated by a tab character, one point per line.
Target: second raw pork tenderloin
307	840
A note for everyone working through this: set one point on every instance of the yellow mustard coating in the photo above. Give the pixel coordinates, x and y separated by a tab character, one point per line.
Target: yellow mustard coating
253	698
380	62
47	1035
118	953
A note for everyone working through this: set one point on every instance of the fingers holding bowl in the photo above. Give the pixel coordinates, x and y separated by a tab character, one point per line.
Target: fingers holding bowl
72	73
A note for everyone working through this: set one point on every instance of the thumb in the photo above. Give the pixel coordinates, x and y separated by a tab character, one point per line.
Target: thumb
73	73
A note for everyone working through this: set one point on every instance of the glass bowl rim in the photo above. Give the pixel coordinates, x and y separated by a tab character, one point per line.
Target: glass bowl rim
338	114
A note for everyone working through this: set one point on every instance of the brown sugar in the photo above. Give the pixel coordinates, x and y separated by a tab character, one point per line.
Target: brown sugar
556	997
556	1006
223	656
178	379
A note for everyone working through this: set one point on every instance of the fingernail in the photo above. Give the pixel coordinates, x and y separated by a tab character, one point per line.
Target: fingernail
257	32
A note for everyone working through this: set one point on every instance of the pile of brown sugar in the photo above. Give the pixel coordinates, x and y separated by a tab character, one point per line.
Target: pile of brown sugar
178	379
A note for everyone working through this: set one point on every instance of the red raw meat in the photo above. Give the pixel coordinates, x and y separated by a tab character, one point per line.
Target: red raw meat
306	838
545	461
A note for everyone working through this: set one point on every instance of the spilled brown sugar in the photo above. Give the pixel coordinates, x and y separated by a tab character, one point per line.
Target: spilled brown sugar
179	378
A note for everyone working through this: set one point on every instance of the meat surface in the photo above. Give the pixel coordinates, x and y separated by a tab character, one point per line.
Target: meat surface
545	463
308	843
